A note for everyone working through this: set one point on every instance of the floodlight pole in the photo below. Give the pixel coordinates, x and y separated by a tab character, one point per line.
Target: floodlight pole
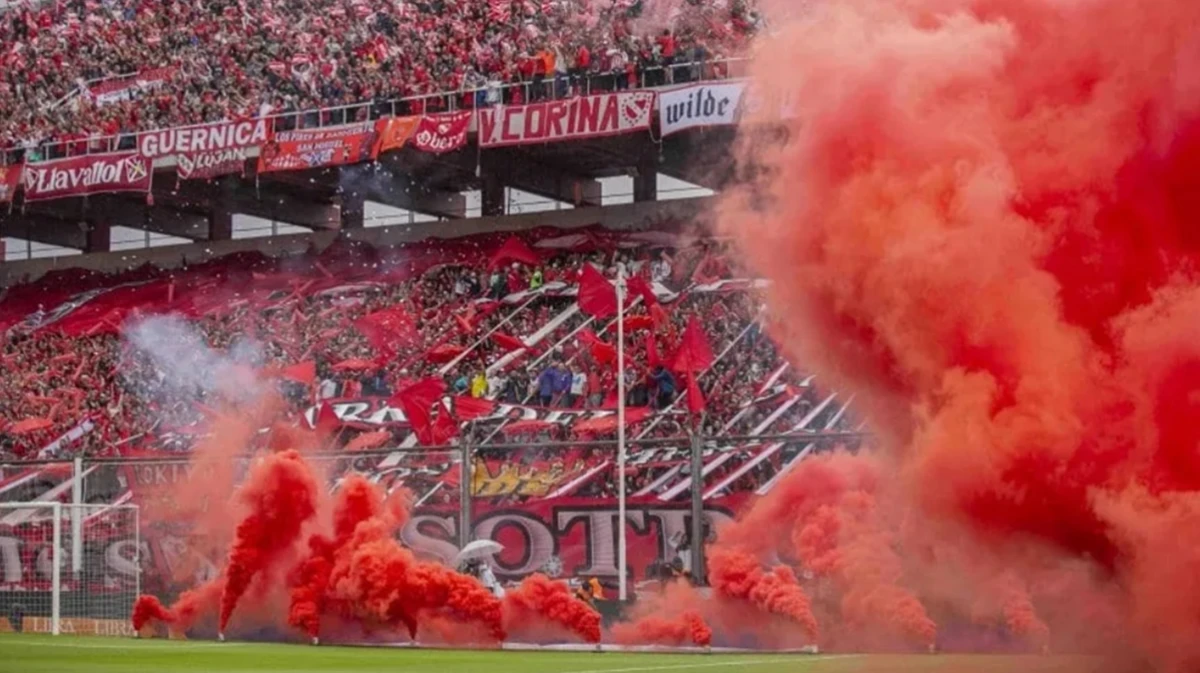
622	582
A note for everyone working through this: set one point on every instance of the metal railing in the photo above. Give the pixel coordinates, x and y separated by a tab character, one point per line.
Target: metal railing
539	89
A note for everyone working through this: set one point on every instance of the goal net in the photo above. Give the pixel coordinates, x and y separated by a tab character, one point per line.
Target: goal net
69	568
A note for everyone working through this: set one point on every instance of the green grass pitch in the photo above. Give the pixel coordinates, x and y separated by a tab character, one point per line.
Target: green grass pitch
74	654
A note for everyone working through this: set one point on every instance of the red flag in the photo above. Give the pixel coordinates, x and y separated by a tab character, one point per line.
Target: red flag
608	423
695	398
694	354
353	365
640	288
468	408
466	324
507	342
327	421
634	323
514	250
659	316
30	425
444	427
652	358
444	353
602	353
303	372
597	296
369	440
416	401
388	331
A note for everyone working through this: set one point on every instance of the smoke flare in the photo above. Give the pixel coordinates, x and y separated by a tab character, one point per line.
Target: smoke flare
540	599
982	222
736	574
281	493
148	608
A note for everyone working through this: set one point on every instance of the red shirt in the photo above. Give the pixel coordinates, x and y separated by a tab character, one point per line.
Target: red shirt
583	58
667	44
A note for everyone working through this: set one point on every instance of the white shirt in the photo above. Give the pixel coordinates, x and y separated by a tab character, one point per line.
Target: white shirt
490	582
578	383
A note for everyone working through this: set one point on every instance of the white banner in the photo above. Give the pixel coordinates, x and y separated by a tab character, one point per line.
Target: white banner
699	105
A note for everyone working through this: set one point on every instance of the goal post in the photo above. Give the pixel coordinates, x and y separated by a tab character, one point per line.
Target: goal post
69	568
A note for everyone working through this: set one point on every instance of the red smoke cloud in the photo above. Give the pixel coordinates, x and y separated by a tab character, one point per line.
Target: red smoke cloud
983	223
147	608
353	572
736	574
281	494
688	629
539	600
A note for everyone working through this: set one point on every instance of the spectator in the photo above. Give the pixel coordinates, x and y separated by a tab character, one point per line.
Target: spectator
479	385
546	383
578	387
664	386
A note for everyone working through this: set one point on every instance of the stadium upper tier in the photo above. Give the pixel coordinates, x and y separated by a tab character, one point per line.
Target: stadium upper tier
78	69
515	333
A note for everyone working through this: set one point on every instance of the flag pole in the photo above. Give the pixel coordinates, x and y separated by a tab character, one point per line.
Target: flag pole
621	542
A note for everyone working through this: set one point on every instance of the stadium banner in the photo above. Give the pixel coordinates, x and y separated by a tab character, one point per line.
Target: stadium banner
314	148
122	89
370	413
90	174
205	138
10	179
442	133
211	164
394	132
560	537
578	118
699	105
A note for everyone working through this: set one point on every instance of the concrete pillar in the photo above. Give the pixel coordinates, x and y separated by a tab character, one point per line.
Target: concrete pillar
353	210
220	224
645	183
99	237
492	195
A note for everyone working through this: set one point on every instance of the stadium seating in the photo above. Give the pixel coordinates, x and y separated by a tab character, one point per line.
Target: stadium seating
484	312
74	71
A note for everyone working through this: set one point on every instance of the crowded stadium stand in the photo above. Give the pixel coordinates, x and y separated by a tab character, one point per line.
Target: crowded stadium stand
80	76
459	346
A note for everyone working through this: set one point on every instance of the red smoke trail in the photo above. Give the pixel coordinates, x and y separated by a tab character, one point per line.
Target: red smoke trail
688	629
737	574
356	501
983	223
281	494
381	583
147	608
183	614
539	600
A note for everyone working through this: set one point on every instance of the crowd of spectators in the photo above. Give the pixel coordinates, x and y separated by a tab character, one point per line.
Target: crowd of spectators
137	405
227	59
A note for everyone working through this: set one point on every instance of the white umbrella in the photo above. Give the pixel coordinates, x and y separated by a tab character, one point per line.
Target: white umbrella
479	549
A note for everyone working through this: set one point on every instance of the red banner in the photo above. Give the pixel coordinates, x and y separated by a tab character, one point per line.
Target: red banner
10	179
577	118
394	132
212	164
442	133
313	148
206	138
128	88
91	174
